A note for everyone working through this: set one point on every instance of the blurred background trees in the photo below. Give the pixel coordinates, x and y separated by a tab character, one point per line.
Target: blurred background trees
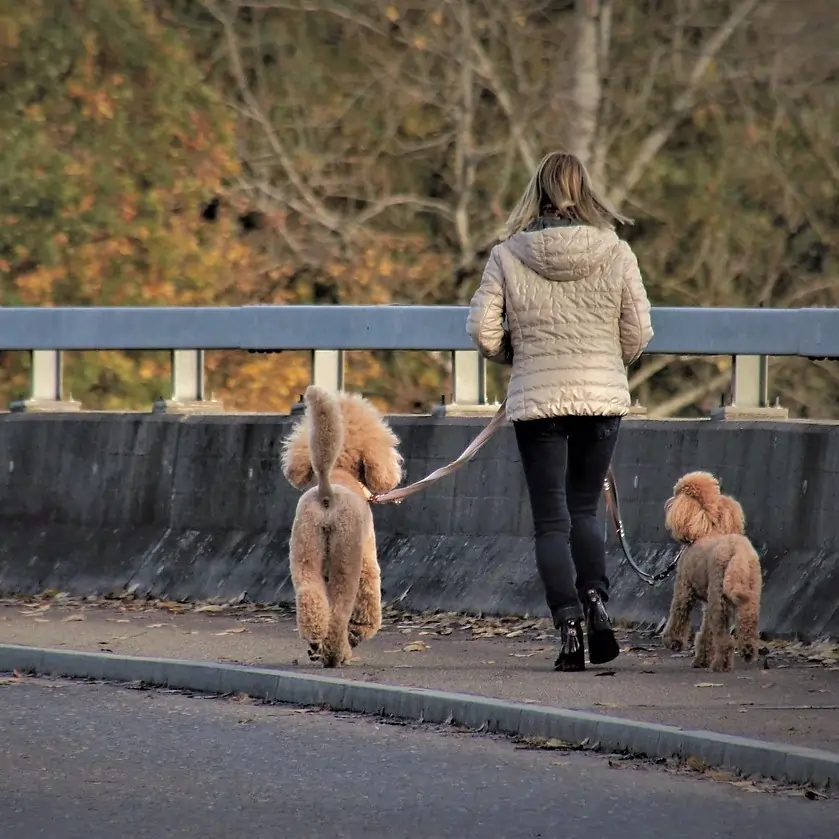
165	152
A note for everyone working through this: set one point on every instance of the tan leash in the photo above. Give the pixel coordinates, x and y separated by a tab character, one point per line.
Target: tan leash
396	496
610	489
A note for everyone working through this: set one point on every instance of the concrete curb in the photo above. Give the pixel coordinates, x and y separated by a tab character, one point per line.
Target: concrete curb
750	757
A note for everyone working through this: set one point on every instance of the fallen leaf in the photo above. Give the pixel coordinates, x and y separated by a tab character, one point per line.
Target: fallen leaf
41	620
605	673
71	618
36	610
415	647
748	786
155	625
233	631
209	607
172	606
553	743
709	685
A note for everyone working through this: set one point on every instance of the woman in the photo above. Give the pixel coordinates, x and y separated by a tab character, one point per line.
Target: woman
562	301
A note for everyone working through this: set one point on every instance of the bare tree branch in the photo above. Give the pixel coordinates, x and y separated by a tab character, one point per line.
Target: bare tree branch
464	162
685	398
314	205
586	89
656	139
489	74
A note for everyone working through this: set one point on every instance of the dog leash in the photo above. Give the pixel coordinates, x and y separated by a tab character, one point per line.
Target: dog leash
610	491
397	496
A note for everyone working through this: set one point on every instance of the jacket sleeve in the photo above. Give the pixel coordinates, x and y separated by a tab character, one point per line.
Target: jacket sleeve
636	329
487	311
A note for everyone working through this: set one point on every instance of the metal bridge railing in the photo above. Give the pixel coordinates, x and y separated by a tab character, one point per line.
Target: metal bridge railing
749	336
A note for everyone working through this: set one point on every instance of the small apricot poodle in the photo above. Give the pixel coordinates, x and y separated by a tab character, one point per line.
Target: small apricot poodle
341	452
719	567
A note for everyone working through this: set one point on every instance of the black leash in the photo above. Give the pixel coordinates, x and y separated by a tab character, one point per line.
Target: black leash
610	489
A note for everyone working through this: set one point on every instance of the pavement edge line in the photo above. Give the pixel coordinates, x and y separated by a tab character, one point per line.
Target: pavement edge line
750	757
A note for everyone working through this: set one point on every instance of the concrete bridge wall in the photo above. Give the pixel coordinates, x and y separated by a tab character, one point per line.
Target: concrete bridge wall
196	507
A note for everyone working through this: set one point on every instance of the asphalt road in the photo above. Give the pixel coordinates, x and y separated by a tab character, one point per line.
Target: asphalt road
82	761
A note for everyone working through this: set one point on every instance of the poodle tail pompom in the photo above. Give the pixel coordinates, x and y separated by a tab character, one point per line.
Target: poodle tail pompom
736	580
326	437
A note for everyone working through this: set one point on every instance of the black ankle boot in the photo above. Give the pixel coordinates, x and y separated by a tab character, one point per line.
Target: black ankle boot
602	644
572	657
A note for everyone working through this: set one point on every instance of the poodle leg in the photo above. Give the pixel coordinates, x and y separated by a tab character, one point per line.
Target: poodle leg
306	550
345	549
748	640
719	622
366	618
677	631
702	653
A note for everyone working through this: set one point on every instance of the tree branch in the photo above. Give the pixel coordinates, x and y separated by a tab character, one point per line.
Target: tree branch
656	139
487	71
688	397
585	93
464	162
314	205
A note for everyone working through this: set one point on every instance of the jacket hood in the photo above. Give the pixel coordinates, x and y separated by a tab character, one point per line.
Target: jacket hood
563	253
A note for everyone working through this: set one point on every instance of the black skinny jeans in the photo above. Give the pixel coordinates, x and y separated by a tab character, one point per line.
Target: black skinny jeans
565	463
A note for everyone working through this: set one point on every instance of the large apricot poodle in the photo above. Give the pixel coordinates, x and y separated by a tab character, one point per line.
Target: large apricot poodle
719	567
340	452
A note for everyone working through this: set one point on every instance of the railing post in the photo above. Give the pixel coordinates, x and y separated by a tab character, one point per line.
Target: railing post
188	395
750	391
328	369
46	385
469	386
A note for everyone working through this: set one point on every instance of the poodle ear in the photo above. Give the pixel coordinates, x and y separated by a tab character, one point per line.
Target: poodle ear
381	461
296	461
730	516
686	519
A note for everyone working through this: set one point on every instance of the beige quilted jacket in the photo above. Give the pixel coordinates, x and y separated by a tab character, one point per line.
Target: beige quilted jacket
566	307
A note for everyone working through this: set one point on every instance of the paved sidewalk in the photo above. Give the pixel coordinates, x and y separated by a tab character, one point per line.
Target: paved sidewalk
794	701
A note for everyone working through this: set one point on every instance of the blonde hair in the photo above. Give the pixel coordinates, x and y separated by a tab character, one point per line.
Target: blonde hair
562	183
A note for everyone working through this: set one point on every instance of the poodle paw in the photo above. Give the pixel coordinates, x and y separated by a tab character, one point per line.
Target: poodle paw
720	665
335	656
355	635
361	632
675	644
315	651
749	652
699	663
336	660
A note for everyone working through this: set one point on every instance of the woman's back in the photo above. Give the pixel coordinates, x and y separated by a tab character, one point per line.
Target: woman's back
575	312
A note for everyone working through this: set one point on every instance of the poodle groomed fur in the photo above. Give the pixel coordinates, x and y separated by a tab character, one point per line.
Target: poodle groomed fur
340	453
719	567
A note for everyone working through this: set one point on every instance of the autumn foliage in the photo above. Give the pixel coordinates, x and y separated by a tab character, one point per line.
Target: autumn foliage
180	152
